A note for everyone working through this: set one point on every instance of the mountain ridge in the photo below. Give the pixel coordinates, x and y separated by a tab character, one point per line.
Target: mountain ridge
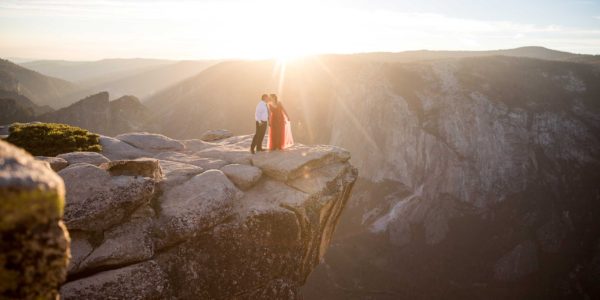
41	89
442	146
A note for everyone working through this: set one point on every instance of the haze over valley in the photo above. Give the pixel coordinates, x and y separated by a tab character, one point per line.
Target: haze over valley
468	171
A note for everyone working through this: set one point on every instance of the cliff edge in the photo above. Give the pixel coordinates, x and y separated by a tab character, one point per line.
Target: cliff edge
156	218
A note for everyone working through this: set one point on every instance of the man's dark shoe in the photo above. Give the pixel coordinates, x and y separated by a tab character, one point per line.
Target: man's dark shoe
252	151
260	150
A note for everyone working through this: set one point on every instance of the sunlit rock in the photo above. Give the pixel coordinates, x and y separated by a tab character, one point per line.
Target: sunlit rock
116	149
56	163
243	176
151	141
92	158
203	162
96	201
143	236
298	160
215	135
145	167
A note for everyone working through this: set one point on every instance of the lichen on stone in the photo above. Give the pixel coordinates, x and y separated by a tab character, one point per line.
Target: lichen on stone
34	251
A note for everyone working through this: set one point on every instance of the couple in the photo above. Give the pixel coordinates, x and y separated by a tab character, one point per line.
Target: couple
270	111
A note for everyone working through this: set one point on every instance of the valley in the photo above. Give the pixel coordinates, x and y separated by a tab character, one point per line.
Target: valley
477	171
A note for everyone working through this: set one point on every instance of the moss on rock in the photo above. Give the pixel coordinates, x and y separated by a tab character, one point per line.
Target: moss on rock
34	251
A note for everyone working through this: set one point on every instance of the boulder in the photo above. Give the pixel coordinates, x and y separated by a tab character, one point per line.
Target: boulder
97	201
56	163
298	160
243	176
238	141
194	234
229	154
204	163
115	149
140	281
125	244
92	158
317	181
145	167
34	243
151	141
274	238
196	205
518	263
176	173
195	145
215	135
80	249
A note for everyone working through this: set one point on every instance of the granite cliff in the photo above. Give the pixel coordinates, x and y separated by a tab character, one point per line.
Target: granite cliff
478	174
155	218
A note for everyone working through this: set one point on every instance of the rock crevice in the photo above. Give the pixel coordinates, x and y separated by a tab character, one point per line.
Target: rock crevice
239	226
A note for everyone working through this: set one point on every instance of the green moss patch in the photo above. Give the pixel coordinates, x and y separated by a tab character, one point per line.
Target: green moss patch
51	139
29	205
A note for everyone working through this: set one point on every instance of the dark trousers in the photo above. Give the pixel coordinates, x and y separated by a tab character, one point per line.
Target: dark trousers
259	136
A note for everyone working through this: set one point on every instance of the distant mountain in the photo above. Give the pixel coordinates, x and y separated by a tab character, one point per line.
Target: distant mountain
19	60
41	89
140	77
18	108
478	175
11	111
530	52
222	95
86	72
97	114
24	102
147	82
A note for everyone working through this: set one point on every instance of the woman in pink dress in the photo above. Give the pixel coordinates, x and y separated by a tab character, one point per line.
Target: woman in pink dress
280	132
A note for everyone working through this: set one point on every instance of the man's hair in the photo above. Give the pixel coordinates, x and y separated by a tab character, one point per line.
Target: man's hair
264	97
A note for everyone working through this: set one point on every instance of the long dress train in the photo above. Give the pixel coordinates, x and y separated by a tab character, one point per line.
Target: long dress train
280	131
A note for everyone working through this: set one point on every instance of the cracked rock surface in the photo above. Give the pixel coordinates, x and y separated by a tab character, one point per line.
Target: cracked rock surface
177	224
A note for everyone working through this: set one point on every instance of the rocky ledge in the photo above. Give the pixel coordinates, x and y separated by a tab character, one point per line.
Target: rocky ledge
156	218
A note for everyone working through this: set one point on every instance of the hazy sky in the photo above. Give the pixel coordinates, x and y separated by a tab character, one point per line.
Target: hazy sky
95	29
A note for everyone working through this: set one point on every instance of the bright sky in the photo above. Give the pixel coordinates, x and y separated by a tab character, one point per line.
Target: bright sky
96	29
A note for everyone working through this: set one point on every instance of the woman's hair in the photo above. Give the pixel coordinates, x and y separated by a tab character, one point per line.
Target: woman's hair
273	97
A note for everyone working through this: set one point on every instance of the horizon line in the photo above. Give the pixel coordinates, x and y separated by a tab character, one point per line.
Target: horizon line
29	60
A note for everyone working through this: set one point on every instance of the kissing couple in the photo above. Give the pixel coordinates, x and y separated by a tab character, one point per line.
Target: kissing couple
270	112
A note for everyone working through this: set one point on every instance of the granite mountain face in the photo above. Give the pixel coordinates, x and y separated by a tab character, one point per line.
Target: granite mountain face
478	171
151	217
482	182
478	174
